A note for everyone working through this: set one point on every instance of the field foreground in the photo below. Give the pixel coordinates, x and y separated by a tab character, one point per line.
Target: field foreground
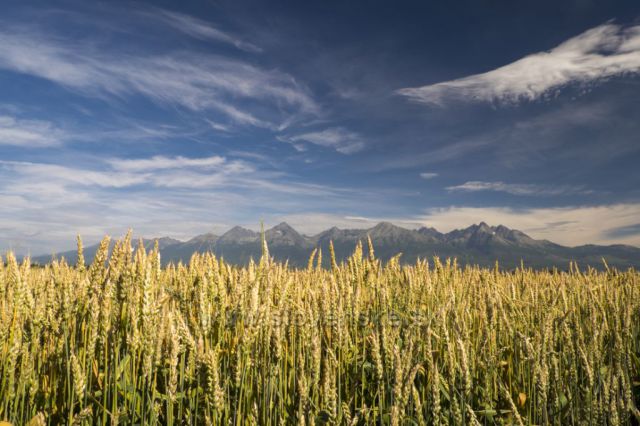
125	341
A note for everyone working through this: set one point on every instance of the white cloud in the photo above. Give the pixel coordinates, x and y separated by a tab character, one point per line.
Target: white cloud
193	80
517	188
564	225
338	138
428	175
602	52
28	133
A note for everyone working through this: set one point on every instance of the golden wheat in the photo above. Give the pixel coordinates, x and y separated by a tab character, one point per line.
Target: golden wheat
126	341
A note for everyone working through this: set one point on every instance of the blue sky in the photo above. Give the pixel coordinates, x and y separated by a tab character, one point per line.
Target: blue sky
183	118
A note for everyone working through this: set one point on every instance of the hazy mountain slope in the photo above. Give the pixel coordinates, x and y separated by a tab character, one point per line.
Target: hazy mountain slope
182	251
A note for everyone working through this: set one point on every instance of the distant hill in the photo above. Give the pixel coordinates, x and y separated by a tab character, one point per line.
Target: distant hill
478	244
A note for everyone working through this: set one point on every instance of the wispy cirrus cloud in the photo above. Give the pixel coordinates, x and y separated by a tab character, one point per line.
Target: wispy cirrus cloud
159	171
199	29
602	52
243	93
44	204
518	188
337	138
29	133
182	173
219	126
54	173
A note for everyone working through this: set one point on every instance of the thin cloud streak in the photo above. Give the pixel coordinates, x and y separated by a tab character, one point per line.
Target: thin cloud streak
68	175
517	188
161	162
199	29
428	175
338	138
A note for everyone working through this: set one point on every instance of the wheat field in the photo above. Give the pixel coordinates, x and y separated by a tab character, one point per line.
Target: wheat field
128	341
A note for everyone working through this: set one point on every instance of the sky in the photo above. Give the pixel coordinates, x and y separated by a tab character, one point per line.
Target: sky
181	118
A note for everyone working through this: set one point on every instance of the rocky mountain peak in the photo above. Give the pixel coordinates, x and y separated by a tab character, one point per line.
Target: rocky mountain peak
385	228
430	233
283	227
484	228
165	241
208	237
238	234
284	234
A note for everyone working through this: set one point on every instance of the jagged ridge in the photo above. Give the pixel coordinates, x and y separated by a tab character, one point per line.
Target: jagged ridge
478	244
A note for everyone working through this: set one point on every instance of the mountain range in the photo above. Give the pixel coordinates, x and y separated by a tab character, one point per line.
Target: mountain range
478	244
